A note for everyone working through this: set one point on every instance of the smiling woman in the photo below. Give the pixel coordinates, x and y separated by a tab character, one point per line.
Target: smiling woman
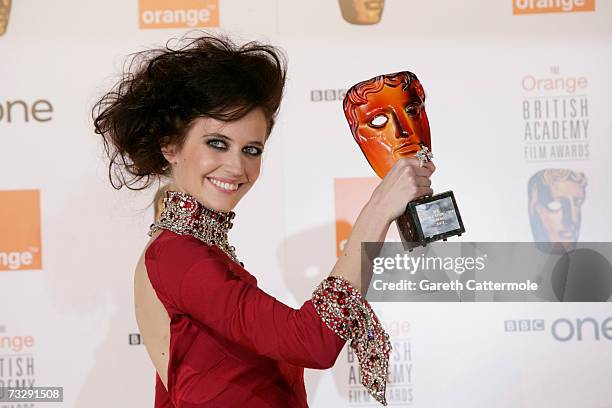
200	115
218	161
170	96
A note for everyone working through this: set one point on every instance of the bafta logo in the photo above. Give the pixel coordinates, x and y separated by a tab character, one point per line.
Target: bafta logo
555	205
5	9
362	12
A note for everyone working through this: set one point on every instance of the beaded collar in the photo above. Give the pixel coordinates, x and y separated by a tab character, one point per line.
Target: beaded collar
184	215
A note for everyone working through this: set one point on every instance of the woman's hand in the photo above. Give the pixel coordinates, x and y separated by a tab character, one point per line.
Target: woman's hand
406	181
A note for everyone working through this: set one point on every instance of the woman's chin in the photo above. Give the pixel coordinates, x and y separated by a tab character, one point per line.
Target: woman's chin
215	203
218	206
223	208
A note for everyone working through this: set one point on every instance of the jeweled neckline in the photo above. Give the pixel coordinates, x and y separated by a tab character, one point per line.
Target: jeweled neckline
184	215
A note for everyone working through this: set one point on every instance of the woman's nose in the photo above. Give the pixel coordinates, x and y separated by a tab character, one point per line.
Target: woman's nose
234	165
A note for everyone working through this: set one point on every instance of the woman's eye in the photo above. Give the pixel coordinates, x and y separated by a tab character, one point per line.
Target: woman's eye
252	150
379	121
217	144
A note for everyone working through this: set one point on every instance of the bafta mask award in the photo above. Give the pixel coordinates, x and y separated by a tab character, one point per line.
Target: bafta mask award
387	118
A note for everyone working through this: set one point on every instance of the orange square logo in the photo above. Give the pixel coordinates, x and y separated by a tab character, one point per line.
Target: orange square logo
178	13
350	195
20	230
551	6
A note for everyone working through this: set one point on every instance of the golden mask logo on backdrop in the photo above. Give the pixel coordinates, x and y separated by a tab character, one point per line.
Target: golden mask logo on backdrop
178	13
551	6
5	12
20	238
555	198
362	12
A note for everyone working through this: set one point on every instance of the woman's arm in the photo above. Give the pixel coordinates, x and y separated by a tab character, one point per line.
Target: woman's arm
405	182
199	281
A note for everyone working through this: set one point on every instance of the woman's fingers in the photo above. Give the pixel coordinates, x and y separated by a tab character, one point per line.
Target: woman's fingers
424	191
422	181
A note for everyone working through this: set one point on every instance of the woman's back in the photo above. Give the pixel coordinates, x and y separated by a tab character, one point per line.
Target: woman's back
152	318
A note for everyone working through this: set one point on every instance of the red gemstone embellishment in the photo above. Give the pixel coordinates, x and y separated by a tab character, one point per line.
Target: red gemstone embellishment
350	316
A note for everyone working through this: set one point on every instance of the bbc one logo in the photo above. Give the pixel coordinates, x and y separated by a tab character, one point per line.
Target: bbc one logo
19	110
564	329
327	95
134	339
551	6
20	238
178	13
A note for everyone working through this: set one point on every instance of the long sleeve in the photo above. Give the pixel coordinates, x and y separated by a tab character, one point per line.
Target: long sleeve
202	283
247	315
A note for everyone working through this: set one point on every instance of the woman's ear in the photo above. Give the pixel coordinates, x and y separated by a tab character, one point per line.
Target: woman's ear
169	152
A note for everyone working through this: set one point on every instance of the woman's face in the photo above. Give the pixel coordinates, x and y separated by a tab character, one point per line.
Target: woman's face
219	161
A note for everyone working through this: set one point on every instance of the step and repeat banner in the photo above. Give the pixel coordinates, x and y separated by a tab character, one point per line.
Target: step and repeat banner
517	95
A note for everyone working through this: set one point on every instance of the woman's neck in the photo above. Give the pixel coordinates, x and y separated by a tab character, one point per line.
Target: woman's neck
184	215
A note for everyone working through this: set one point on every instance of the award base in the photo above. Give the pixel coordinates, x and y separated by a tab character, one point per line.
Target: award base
430	219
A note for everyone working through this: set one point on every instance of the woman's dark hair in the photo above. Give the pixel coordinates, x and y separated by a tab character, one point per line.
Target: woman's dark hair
163	90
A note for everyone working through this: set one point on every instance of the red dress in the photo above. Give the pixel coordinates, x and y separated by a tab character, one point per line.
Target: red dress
232	344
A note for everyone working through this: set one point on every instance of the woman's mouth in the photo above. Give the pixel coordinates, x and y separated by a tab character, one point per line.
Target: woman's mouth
224	186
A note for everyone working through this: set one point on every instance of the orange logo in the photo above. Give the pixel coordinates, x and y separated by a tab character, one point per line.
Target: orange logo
551	6
350	195
178	13
20	230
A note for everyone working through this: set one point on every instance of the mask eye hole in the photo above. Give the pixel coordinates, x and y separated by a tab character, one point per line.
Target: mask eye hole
554	205
379	121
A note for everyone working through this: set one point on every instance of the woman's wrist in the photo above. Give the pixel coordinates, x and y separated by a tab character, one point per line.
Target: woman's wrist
375	213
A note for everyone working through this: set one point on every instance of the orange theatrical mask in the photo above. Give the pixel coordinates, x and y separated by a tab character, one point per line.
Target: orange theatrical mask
387	118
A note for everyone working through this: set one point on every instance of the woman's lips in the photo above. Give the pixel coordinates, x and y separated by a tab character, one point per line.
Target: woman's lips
222	186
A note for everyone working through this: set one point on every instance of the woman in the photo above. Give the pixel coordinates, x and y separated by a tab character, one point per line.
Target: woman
200	115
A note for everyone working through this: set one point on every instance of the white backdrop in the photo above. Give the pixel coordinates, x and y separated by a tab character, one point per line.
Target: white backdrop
68	322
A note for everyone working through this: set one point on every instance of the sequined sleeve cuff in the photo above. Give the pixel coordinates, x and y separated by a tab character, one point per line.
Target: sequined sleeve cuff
350	316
